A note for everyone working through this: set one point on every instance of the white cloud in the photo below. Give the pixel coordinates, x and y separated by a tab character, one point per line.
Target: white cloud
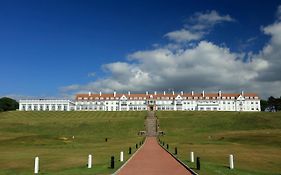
91	74
197	26
184	35
204	65
209	18
272	54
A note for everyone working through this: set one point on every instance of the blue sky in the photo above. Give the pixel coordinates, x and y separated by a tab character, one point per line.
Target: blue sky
58	48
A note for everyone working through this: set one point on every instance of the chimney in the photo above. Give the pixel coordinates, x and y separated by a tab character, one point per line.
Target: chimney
114	94
129	93
164	93
146	93
100	93
242	93
192	93
203	93
219	93
173	92
90	93
155	93
181	92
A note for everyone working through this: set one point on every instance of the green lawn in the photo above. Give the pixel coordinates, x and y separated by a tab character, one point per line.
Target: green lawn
253	138
24	135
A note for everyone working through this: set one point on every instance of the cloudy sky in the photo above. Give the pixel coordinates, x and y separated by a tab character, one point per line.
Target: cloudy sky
59	48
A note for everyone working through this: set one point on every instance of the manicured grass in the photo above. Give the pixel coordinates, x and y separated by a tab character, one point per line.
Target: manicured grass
24	135
253	138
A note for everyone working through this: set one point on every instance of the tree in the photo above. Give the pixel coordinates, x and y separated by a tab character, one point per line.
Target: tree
8	104
264	105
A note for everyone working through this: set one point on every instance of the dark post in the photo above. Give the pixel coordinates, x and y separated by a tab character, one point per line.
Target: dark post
198	163
163	143
167	146
176	150
112	162
130	150
136	146
105	139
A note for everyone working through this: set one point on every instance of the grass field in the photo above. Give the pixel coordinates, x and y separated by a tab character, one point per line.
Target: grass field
253	138
24	135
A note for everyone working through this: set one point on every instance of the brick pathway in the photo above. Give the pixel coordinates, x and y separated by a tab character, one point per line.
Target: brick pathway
151	159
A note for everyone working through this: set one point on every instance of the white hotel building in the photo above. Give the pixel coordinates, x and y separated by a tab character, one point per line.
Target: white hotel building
155	101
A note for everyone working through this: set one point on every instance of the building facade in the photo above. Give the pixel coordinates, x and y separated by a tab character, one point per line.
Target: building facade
46	105
168	102
149	101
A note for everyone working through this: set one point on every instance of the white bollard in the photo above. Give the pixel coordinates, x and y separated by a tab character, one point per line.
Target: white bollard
36	165
191	157
231	162
121	156
90	161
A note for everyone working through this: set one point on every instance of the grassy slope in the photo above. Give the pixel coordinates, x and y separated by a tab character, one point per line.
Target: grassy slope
253	138
24	135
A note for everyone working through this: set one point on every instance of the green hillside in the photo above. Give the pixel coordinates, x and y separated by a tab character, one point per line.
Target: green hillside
24	135
253	138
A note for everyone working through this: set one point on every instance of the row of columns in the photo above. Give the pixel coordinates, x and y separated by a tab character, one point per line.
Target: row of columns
50	107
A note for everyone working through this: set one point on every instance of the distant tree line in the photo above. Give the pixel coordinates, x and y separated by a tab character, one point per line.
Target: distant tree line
8	104
271	104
